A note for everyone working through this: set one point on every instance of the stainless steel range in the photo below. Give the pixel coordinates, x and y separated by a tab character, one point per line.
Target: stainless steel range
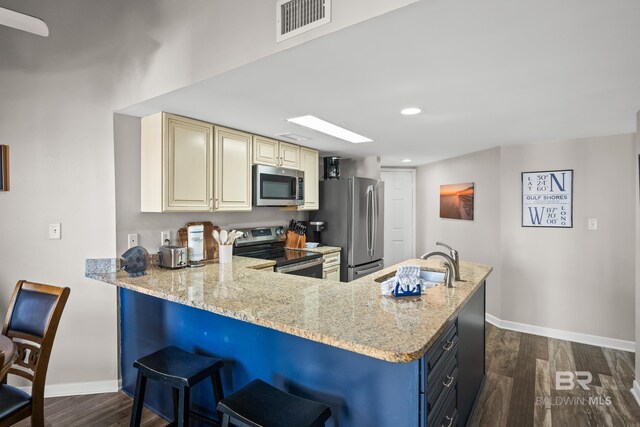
268	243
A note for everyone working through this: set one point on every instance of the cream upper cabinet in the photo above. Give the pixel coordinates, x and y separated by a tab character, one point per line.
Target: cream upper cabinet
309	165
232	157
176	164
275	153
289	155
265	151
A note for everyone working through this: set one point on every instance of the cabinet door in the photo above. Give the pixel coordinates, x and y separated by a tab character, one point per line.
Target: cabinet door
309	165
289	155
265	151
332	273
187	180
232	170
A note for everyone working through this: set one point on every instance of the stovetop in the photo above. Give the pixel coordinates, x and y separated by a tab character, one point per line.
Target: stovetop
268	243
281	256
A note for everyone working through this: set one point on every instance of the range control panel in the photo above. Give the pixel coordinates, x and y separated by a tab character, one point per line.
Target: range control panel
258	235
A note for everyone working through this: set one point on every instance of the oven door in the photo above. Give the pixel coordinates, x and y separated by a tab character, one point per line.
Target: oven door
274	186
311	268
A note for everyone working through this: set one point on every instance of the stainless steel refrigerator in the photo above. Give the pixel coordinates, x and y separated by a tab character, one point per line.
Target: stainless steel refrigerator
353	209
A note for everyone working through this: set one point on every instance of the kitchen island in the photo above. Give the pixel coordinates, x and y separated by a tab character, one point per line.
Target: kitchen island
374	359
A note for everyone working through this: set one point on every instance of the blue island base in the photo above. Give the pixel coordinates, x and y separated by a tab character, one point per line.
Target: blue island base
361	391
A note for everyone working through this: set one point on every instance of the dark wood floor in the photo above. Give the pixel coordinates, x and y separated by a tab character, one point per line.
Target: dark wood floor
108	409
520	386
519	390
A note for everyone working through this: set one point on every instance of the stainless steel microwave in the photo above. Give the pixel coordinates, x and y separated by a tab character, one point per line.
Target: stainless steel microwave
274	186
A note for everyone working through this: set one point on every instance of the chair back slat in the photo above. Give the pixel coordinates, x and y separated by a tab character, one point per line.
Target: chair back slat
21	373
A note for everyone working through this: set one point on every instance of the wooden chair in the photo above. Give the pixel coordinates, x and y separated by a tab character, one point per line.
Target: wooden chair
32	321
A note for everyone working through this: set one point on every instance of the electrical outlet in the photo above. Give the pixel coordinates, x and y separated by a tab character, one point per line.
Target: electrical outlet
592	224
55	231
164	236
133	240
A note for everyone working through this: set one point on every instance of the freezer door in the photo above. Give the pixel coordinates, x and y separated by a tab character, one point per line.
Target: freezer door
362	221
354	273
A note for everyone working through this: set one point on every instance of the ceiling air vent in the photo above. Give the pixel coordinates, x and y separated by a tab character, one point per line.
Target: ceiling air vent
294	17
292	137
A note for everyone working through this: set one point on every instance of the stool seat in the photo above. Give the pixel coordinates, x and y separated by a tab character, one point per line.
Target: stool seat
176	367
259	404
181	370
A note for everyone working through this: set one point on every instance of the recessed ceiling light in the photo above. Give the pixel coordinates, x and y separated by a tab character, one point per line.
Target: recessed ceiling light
410	111
320	125
405	161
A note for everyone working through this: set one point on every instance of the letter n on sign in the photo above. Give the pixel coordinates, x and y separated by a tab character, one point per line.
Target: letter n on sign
547	199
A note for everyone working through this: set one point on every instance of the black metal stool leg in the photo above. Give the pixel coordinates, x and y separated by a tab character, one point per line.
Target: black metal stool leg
138	400
176	398
218	393
183	407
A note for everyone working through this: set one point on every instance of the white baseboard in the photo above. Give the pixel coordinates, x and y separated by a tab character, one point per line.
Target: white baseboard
73	389
563	335
636	391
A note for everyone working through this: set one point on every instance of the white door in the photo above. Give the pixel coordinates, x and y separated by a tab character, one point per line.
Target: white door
399	233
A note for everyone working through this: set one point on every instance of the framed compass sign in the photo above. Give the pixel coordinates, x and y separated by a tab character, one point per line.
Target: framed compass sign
547	199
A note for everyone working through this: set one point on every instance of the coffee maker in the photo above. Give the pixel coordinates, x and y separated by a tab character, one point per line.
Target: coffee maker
331	167
313	231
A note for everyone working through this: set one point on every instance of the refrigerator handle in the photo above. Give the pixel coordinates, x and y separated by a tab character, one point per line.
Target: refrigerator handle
369	220
374	222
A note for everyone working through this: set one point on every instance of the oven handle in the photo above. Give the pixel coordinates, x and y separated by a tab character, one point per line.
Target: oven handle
300	265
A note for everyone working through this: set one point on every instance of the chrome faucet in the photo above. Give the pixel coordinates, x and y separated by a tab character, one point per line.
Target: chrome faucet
454	256
452	267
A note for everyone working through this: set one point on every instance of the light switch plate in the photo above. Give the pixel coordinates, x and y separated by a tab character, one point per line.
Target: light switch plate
55	231
592	224
133	240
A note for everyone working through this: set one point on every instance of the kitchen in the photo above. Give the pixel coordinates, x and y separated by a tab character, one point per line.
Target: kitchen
490	112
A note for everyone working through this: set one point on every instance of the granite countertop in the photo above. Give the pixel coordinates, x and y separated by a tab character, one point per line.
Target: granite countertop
324	250
353	316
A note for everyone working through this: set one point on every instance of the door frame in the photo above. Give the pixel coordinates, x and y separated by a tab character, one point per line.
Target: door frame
413	198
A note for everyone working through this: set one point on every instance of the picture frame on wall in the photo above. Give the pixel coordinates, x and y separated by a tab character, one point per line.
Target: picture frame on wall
4	168
547	199
457	201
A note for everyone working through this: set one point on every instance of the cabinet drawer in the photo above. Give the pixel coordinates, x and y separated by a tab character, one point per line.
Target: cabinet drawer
442	347
332	259
442	382
447	415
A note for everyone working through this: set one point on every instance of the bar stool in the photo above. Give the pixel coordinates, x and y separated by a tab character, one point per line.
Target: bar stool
181	370
259	404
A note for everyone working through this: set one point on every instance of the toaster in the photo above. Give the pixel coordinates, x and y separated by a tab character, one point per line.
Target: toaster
173	256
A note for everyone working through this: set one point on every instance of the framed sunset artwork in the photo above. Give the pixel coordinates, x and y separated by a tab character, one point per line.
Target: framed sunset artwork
457	201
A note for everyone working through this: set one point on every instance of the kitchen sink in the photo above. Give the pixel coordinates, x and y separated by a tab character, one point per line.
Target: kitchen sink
434	276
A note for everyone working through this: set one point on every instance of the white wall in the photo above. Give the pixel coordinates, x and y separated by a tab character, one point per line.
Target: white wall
57	97
567	279
187	41
129	219
476	240
573	279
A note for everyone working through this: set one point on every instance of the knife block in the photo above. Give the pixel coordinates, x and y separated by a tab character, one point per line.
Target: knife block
295	240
